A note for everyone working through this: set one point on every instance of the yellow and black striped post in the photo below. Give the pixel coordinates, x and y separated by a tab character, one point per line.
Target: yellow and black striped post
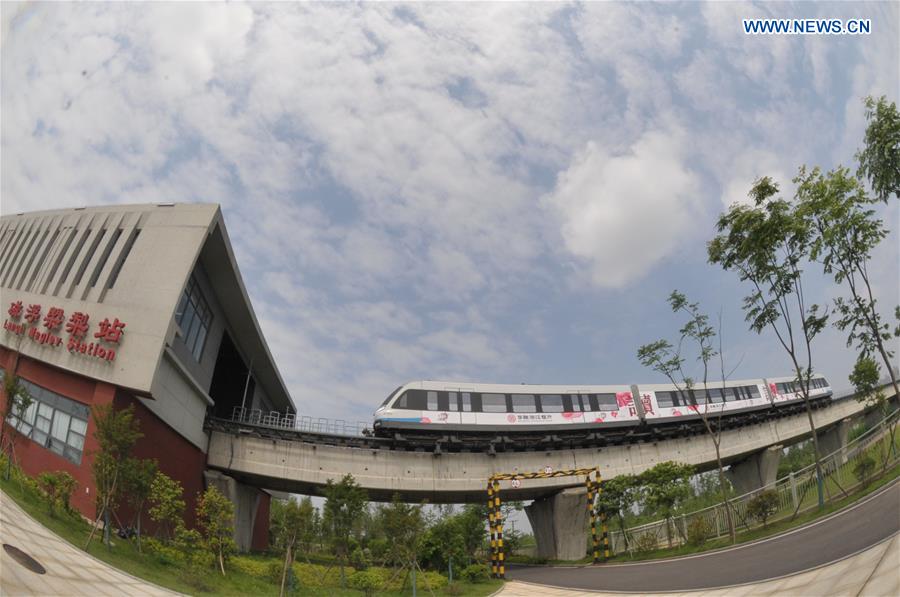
490	505
605	529
592	512
498	518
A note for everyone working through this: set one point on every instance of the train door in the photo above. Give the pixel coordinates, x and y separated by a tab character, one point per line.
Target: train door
466	406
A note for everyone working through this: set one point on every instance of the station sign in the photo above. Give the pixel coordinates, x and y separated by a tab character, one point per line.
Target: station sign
48	329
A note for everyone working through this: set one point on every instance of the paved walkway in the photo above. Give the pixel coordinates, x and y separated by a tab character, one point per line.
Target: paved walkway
874	572
69	571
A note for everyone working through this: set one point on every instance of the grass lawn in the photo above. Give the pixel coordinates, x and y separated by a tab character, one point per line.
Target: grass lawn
124	556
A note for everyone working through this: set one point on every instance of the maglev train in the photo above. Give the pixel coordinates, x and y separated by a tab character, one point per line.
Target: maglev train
448	407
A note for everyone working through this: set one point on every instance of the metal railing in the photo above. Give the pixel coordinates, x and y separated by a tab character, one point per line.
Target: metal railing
794	493
276	420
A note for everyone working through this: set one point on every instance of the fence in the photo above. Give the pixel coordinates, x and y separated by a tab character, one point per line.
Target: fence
290	421
795	492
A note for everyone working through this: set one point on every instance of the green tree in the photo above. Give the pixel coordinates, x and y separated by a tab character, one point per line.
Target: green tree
879	161
766	244
344	505
137	483
665	486
166	504
663	357
847	232
865	379
616	497
404	525
59	486
116	432
292	522
18	400
444	544
215	518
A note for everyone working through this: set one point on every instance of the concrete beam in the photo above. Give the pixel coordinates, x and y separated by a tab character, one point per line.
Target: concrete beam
559	523
246	500
755	472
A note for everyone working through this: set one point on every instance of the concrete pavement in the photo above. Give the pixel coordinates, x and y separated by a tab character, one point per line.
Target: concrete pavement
69	571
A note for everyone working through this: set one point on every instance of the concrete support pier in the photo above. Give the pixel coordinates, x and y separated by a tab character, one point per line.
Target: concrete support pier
559	523
756	471
246	500
834	438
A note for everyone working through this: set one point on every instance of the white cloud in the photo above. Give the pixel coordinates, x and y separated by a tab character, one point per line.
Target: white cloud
624	213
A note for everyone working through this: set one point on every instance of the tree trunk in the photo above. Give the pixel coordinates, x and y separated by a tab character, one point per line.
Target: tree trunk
287	563
724	490
221	561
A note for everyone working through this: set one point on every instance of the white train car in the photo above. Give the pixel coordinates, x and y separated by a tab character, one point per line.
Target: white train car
448	407
667	403
787	390
498	407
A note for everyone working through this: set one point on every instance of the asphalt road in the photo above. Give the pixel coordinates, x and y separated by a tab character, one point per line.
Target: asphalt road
847	532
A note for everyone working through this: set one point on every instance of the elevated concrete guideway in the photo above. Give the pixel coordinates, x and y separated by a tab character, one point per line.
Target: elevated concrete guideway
300	467
255	456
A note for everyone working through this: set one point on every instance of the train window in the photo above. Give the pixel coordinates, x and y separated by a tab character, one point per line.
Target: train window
443	401
523	403
391	395
415	400
754	391
607	402
454	402
401	403
432	401
552	403
715	395
466	402
664	399
824	383
572	403
493	403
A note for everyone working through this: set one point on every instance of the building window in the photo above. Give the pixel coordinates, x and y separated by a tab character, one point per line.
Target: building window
53	421
194	318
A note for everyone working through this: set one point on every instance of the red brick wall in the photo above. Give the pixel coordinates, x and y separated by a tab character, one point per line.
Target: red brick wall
35	459
176	457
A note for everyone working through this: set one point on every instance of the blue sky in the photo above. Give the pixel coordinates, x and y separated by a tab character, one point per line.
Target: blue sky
490	192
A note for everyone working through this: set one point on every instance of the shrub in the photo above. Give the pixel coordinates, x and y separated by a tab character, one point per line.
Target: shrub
699	530
253	567
763	505
646	542
864	468
58	486
359	558
432	580
475	573
166	554
367	581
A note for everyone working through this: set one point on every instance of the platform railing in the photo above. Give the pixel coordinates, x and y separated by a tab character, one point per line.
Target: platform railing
290	421
794	493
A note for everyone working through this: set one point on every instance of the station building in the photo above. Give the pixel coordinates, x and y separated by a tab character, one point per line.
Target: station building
135	305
